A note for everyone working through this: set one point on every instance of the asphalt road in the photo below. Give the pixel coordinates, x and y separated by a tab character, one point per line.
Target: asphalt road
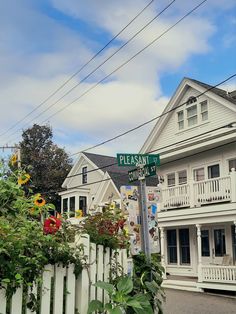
184	302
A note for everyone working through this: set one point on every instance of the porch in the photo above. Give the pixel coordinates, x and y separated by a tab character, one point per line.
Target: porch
196	194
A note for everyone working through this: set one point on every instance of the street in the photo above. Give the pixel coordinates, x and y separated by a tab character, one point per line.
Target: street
185	302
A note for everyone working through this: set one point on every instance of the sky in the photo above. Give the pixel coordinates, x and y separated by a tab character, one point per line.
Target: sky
43	43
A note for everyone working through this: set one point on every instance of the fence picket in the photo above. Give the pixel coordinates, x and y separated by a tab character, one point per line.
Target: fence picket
82	283
124	261
100	271
46	290
3	301
106	271
92	270
59	274
70	290
34	291
16	302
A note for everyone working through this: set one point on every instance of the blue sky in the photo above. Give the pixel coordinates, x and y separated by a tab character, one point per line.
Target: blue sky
42	43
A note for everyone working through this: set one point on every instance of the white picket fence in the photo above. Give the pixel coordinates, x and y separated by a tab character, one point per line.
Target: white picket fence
68	295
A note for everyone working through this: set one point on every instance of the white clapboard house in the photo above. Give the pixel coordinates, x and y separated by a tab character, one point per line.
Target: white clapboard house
94	181
196	140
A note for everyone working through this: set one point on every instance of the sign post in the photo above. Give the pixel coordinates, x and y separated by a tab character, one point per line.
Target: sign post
146	166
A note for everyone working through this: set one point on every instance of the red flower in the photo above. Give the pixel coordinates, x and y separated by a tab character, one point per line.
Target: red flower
51	225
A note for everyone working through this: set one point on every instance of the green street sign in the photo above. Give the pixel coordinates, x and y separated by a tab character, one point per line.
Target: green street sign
147	171
134	159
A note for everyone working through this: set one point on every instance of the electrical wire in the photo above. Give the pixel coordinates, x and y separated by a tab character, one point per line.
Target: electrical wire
79	70
151	120
93	71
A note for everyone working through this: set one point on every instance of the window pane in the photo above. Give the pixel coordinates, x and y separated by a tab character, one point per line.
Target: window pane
180	115
234	243
204	106
182	177
84	175
65	204
184	246
171	179
83	204
219	239
172	246
192	111
192	121
199	174
181	125
205	116
205	243
72	204
213	171
232	164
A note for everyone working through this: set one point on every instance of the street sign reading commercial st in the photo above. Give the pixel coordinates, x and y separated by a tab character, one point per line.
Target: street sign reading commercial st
134	159
140	173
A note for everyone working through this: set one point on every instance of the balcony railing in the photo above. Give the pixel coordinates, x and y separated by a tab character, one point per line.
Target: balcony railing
222	189
218	274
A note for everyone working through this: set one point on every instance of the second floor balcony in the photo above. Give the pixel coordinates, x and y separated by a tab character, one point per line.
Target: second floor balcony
201	193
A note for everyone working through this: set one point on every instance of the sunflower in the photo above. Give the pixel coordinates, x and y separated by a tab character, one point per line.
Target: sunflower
13	159
39	200
78	213
24	178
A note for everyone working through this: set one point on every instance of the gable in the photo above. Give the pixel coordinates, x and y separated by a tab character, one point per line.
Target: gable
166	131
74	177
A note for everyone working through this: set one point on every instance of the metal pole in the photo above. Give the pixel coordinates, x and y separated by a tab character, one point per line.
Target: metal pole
144	216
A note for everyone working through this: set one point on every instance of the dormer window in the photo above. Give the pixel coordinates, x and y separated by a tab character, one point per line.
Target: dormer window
194	113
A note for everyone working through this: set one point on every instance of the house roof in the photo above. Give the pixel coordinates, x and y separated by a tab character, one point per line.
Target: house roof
218	91
118	174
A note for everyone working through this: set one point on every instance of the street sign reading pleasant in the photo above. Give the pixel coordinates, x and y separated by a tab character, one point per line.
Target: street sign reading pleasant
139	173
134	159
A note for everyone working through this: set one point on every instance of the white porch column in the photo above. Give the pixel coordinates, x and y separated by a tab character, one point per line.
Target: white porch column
162	235
199	247
233	184
191	193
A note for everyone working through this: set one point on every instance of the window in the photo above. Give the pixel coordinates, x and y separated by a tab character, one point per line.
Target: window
191	100
65	204
232	164
181	119
192	115
182	177
213	171
204	110
219	239
184	246
172	246
205	243
198	174
171	179
83	204
72	204
84	175
234	243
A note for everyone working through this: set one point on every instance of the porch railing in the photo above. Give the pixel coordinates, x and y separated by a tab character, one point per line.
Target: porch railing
218	274
212	190
177	196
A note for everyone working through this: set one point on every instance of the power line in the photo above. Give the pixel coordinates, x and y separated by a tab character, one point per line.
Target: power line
151	120
94	70
80	69
161	148
118	175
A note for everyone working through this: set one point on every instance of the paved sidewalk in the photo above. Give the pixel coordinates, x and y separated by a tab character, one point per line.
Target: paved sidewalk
184	302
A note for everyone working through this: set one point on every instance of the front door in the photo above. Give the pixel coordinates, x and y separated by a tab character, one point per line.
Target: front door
213	245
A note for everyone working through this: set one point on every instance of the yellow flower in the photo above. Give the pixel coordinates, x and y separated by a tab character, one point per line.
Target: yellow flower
13	160
24	178
39	200
79	213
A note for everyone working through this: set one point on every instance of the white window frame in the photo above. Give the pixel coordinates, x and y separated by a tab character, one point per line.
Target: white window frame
84	175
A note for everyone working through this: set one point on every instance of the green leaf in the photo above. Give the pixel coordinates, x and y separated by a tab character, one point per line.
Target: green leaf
95	305
152	286
18	276
116	310
134	303
106	286
108	306
6	280
125	285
